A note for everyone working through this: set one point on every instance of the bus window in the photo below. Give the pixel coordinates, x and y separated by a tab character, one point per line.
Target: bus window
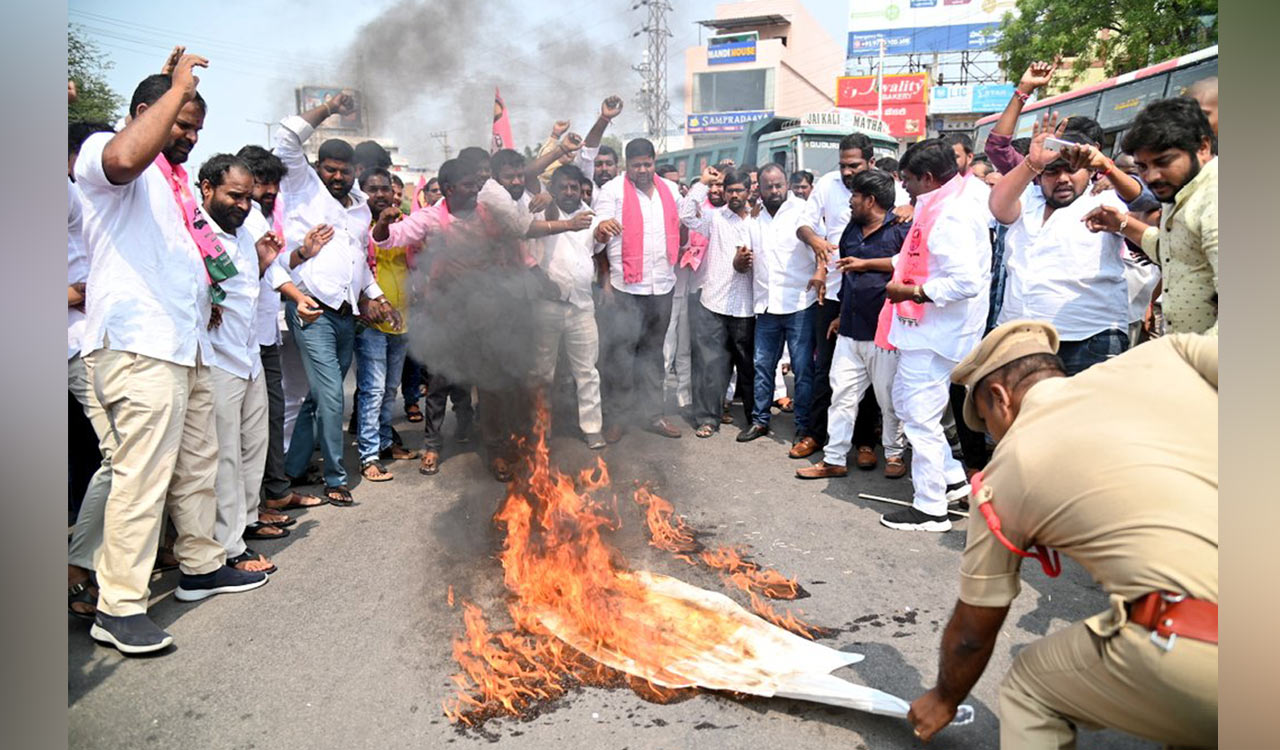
1181	80
1122	103
819	154
1086	106
779	157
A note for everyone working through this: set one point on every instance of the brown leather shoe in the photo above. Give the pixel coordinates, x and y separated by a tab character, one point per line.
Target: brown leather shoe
804	447
663	426
822	470
895	467
866	457
613	433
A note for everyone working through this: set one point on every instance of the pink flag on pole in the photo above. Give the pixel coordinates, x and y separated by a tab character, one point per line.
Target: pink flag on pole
501	125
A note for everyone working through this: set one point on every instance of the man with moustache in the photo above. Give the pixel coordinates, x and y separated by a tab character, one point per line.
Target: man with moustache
1175	151
239	388
154	274
566	257
1057	270
802	184
605	166
381	346
337	276
721	313
267	215
785	304
637	223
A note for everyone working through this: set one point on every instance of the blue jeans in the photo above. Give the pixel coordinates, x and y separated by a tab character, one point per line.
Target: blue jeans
326	346
796	330
379	362
1078	356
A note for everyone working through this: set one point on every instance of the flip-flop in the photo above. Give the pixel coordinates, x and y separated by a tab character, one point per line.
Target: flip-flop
162	567
705	431
249	556
343	499
294	505
255	531
382	476
79	594
413	413
287	522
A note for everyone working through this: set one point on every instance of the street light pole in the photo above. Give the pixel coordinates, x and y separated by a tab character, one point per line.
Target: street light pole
267	124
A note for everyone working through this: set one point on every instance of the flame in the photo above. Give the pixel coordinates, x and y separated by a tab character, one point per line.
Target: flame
556	563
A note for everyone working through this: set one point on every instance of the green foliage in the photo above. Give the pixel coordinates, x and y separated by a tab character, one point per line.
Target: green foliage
613	142
1139	32
87	65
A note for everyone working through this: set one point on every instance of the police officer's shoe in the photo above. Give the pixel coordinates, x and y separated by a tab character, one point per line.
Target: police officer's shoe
913	519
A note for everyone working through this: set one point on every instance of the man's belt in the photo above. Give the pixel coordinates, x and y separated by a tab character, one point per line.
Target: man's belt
1170	616
344	309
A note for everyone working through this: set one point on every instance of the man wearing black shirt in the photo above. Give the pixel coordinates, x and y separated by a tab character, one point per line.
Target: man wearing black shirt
874	235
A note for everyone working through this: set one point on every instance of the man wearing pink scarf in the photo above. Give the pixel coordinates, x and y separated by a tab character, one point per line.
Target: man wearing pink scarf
934	314
637	222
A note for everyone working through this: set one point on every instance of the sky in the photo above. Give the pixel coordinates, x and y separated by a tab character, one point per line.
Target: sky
429	65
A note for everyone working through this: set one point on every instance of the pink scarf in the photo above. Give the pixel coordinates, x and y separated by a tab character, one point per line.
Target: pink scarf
913	262
697	248
633	229
217	264
277	218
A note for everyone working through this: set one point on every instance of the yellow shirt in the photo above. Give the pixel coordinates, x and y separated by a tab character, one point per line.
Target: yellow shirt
392	274
1117	468
1186	247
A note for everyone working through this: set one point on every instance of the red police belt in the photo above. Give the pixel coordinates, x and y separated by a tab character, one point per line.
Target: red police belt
1048	558
1171	615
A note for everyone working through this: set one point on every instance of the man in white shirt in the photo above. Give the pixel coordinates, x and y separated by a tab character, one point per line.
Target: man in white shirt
337	276
268	209
825	217
641	241
1058	271
146	349
785	305
952	304
721	310
239	388
566	258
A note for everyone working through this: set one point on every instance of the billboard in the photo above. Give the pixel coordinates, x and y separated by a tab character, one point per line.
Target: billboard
310	97
916	26
980	97
723	122
859	92
732	48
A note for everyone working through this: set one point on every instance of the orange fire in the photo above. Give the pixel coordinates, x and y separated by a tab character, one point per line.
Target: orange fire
559	569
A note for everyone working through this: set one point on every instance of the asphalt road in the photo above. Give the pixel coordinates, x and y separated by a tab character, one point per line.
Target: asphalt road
349	645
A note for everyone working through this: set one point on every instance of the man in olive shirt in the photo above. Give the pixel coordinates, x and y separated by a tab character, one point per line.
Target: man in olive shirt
1122	478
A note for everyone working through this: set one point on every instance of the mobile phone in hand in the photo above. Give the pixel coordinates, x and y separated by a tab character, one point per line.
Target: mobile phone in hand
1057	144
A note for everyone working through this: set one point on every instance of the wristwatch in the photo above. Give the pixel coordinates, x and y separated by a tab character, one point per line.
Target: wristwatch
918	295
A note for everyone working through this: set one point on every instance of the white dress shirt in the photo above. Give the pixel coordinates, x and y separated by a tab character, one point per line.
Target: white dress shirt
77	267
783	264
148	291
827	213
725	290
1062	273
235	339
340	270
959	281
900	195
267	325
567	259
659	275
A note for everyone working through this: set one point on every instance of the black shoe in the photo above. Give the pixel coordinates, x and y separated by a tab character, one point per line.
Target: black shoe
958	491
131	634
912	519
752	432
224	580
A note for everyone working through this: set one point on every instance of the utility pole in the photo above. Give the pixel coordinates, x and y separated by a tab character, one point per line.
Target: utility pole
653	70
442	137
269	125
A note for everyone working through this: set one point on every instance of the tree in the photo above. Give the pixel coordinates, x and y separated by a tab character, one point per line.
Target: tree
1124	34
95	100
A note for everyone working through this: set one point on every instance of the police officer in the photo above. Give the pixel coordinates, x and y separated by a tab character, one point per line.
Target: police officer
1117	468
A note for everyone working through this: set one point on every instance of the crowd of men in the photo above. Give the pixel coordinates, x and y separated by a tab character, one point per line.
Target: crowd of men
212	321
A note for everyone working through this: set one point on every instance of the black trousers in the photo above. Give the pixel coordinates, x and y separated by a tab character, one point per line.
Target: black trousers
719	343
631	363
824	351
864	428
973	444
439	391
275	483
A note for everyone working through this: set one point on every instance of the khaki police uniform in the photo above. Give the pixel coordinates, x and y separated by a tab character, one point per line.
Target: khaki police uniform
1117	468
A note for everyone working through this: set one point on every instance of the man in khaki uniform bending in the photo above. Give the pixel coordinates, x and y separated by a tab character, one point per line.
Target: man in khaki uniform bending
1117	468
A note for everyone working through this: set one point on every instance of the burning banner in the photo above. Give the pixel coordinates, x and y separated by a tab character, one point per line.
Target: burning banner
581	617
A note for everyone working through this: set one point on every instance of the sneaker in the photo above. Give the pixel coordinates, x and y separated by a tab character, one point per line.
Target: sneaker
912	519
958	491
131	634
595	441
224	580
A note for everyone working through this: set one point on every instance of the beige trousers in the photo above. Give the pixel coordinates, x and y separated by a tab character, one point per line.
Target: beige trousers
86	537
240	413
1125	682
165	458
